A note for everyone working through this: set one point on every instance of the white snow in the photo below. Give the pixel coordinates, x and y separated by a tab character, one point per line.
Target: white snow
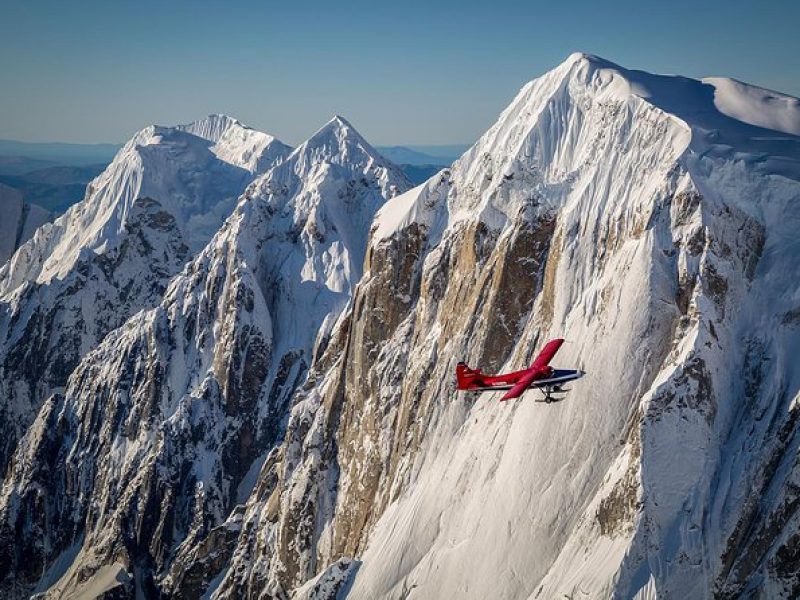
399	212
755	105
673	204
104	580
232	336
238	144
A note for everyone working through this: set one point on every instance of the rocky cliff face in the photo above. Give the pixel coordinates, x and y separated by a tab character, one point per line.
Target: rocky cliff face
161	430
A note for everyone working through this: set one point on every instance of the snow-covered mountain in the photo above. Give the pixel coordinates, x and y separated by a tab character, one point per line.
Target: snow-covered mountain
18	221
195	171
162	198
284	423
167	423
649	220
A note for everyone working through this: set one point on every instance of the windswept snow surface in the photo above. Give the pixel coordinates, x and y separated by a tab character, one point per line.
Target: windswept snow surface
756	106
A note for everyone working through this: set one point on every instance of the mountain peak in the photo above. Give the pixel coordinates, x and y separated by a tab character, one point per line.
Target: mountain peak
710	103
714	112
576	57
339	127
339	121
237	143
212	127
338	140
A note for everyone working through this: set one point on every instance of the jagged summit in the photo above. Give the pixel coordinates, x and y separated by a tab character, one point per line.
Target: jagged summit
104	259
589	58
231	338
212	127
337	121
301	189
237	143
337	142
718	111
557	133
615	208
333	133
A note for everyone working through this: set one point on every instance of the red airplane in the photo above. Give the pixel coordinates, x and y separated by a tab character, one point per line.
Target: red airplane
539	375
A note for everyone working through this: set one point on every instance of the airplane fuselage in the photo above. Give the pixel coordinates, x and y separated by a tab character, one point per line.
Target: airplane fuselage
545	377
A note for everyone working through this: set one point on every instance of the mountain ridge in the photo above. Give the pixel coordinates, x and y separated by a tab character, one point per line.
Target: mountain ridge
83	274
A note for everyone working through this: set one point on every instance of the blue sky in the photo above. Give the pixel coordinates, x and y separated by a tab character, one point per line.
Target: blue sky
401	72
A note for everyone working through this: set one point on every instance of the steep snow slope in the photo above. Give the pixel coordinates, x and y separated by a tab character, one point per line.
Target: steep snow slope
111	255
238	144
18	221
162	428
628	213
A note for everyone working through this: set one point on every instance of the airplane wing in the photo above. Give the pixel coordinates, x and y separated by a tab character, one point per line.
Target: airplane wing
490	388
542	360
522	385
547	353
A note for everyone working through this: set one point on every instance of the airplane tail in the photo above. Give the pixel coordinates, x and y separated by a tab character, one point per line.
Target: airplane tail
465	377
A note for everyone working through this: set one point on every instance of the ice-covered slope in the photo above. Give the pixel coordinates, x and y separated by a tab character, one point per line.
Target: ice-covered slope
163	428
18	221
640	218
163	197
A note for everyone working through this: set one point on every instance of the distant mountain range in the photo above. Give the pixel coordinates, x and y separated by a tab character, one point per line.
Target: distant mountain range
55	153
54	175
54	188
20	157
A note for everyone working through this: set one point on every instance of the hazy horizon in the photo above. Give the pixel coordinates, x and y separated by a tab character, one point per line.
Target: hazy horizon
416	75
